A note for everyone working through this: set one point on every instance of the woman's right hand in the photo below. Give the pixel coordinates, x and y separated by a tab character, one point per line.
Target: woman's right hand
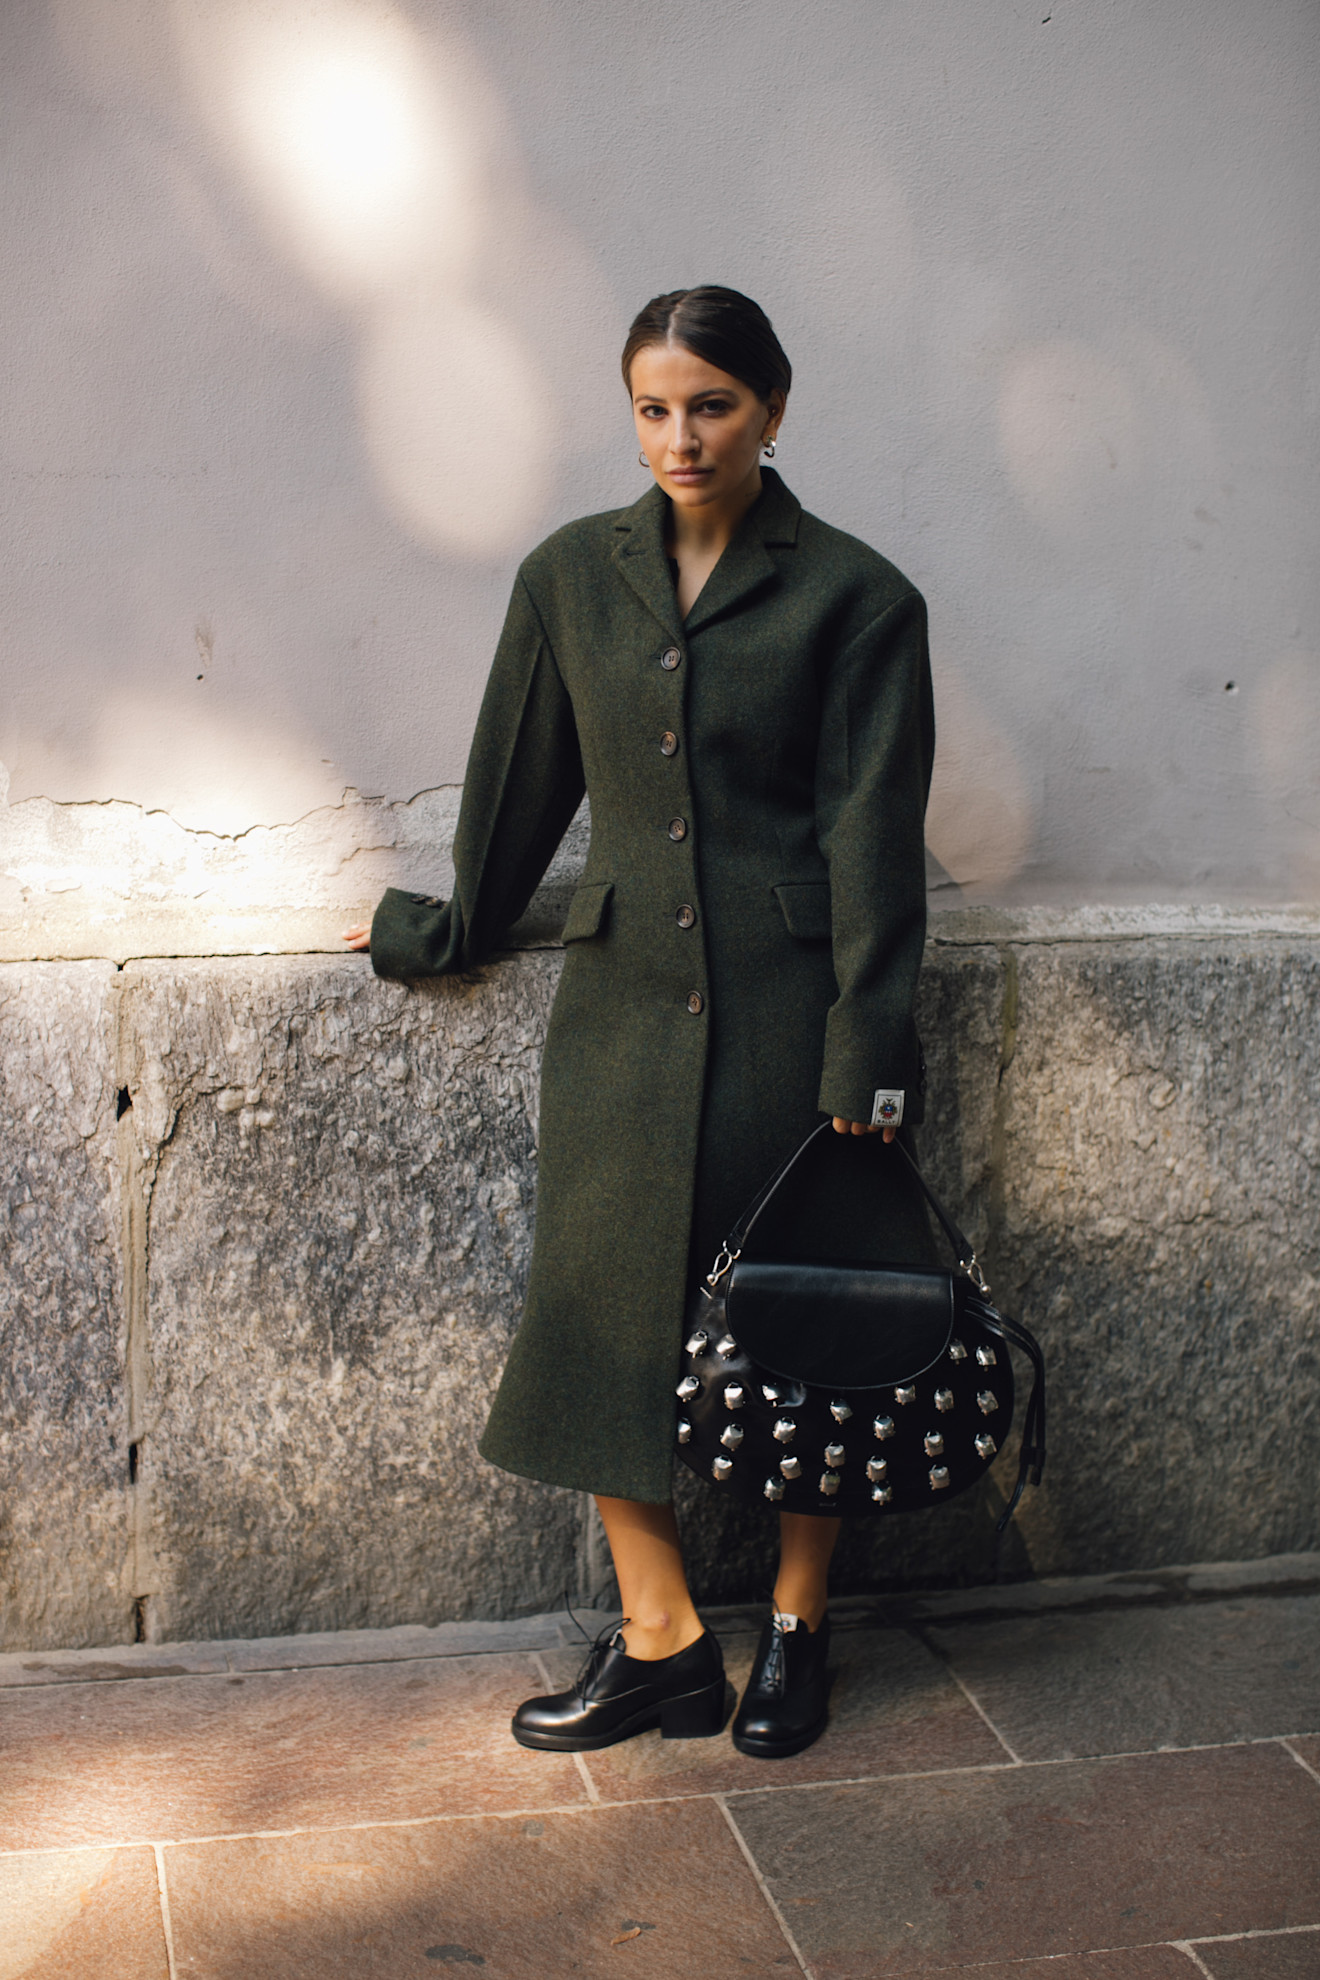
358	937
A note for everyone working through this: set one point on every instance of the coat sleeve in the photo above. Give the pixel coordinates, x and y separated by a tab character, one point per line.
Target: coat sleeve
876	752
524	782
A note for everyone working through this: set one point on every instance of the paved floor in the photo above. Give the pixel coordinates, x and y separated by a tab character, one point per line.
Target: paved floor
1110	1780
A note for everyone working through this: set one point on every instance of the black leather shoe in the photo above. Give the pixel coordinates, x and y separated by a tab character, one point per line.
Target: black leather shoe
786	1704
617	1695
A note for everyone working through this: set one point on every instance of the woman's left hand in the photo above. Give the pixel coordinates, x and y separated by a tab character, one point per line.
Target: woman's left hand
861	1127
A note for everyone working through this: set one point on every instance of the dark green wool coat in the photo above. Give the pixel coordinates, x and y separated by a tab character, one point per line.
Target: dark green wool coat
742	952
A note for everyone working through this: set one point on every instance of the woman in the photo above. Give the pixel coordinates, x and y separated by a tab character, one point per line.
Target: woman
744	692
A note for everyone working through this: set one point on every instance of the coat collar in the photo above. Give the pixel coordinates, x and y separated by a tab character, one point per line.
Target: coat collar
745	566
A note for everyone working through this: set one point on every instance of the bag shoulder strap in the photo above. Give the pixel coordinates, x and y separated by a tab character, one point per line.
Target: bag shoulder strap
964	1251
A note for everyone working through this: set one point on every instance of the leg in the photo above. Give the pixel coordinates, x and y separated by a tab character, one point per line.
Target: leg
786	1704
652	1585
805	1546
667	1671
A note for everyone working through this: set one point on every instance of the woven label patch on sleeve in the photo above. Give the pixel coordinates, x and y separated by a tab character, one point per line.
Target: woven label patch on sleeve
888	1108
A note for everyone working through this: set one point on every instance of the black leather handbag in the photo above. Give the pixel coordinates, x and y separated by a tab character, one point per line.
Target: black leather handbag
837	1388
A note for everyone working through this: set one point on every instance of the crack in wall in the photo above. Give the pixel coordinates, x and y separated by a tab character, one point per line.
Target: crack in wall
134	1178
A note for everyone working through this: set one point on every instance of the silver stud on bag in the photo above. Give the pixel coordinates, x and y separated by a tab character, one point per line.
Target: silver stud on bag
732	1435
721	1468
774	1488
791	1467
934	1443
785	1430
840	1411
943	1399
987	1402
734	1395
829	1483
876	1469
881	1495
835	1454
957	1352
985	1357
728	1346
986	1445
684	1430
771	1393
883	1427
688	1387
905	1395
698	1343
939	1476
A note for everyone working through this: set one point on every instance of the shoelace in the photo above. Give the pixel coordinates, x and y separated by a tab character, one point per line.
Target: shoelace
774	1672
596	1647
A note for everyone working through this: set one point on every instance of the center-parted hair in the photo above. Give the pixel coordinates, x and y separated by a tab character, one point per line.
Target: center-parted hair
728	330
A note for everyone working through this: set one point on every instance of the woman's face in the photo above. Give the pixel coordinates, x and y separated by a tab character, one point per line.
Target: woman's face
701	430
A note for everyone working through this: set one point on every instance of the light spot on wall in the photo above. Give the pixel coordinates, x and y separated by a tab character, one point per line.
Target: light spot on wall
1069	433
374	154
454	412
979	821
1285	714
359	155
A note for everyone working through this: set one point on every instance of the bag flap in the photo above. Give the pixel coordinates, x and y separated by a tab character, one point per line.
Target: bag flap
586	910
841	1326
806	906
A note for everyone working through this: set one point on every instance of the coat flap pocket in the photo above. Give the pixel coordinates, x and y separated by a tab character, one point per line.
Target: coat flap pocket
586	912
806	905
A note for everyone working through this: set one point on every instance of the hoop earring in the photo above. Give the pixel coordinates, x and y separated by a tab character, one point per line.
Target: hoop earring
769	450
642	460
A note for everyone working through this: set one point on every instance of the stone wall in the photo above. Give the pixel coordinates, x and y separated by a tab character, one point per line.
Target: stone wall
266	1221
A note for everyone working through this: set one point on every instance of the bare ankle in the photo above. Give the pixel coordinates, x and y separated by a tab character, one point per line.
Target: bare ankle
660	1635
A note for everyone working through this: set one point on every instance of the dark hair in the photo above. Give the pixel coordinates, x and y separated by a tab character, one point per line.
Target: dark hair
730	331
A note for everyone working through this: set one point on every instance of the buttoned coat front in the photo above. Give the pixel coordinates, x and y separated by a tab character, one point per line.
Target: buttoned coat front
742	951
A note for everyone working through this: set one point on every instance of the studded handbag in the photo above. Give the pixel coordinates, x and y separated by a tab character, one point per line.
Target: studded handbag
841	1388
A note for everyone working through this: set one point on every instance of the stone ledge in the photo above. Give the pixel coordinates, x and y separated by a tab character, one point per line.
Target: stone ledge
1285	1574
252	1325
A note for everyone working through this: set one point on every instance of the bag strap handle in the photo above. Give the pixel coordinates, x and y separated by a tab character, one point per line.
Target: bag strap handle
732	1248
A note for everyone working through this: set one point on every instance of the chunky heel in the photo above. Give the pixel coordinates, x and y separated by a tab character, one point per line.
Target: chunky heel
699	1715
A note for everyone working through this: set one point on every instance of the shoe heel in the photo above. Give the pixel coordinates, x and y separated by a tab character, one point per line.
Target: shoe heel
700	1715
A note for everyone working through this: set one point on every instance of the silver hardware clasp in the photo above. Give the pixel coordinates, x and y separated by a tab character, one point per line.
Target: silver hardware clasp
972	1267
725	1262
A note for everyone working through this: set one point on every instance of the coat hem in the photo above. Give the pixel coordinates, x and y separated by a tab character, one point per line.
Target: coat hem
570	1479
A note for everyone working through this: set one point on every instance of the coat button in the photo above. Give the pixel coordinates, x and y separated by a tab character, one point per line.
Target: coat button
677	829
696	1003
670	658
686	916
669	743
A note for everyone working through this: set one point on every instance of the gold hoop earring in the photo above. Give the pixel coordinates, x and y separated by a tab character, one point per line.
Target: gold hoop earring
642	460
769	450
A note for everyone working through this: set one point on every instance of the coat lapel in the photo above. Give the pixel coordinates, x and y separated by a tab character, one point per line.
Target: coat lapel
640	558
745	566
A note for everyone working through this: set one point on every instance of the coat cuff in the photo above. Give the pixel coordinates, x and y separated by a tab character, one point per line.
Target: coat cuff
411	935
855	1093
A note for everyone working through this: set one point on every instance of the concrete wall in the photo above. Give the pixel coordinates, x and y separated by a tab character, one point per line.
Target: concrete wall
311	319
264	1248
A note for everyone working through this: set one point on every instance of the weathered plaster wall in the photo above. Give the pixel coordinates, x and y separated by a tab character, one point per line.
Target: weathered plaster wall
310	329
251	1328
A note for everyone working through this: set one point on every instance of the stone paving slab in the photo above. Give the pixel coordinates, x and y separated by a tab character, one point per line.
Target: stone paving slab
651	1891
1063	1686
894	1709
1278	1956
1037	1861
202	1756
1135	1963
81	1914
